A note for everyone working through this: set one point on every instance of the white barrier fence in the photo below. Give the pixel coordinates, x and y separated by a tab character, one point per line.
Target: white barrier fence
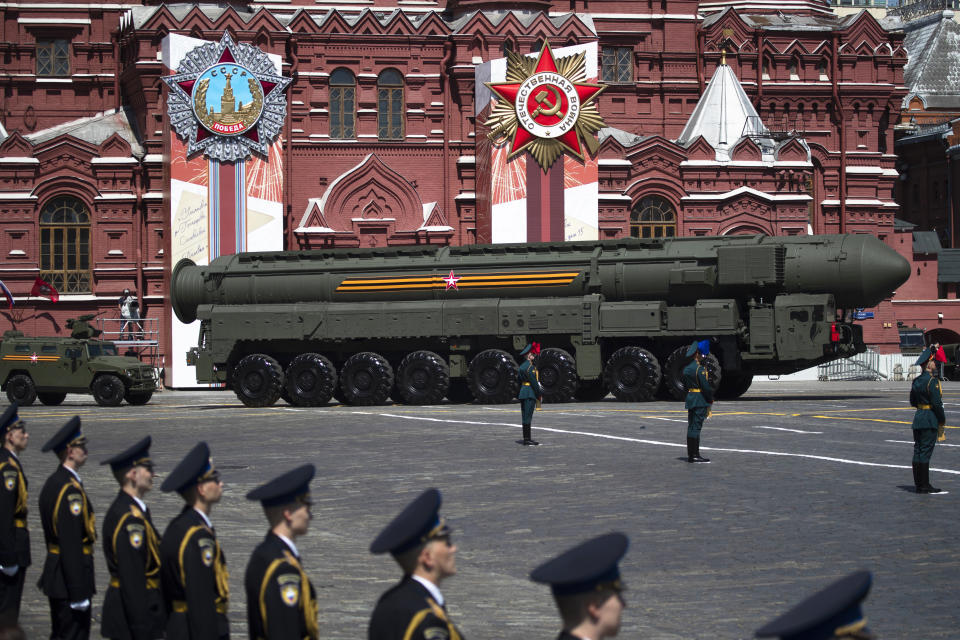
869	365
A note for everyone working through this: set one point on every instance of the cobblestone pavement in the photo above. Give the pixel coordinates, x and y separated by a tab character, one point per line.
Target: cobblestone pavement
809	481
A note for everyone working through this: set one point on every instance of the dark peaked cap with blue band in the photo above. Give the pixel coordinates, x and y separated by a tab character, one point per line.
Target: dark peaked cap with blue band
832	612
292	486
417	524
703	346
138	454
9	418
589	566
69	435
195	468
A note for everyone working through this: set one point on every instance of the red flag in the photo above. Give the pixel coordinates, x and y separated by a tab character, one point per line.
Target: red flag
43	289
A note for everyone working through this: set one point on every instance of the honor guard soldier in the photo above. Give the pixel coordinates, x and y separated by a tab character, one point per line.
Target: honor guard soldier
281	601
70	532
133	605
14	537
925	395
419	540
193	570
831	613
586	586
530	392
699	397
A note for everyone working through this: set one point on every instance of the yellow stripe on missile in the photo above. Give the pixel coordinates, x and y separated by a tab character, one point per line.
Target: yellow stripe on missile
470	280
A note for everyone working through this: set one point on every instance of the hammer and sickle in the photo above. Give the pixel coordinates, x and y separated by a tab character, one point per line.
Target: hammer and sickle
551	109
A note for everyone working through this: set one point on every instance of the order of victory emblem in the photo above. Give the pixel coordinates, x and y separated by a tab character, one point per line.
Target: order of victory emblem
546	107
227	100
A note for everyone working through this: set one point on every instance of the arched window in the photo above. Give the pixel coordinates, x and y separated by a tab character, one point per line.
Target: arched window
390	105
653	217
343	112
65	245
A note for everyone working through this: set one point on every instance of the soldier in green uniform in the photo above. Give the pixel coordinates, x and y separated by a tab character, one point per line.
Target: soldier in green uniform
69	530
193	570
281	601
414	609
925	395
830	614
699	397
14	537
530	392
133	605
586	587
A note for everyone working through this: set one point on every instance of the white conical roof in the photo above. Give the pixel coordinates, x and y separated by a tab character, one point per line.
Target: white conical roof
724	115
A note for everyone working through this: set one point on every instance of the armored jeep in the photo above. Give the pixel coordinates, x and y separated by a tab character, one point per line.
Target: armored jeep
48	369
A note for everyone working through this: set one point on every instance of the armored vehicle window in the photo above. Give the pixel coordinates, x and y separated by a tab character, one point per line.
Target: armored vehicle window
72	353
101	349
48	348
65	245
22	348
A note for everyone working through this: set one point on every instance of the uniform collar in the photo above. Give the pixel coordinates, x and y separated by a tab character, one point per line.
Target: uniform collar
140	503
204	516
287	541
73	473
432	588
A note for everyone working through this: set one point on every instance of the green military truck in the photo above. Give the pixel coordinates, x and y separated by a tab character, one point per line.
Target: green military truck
48	369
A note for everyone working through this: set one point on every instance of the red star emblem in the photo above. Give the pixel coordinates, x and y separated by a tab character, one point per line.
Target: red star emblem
546	105
451	281
33	358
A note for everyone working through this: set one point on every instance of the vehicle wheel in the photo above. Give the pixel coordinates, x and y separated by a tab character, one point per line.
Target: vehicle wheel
733	384
592	390
673	386
558	375
51	399
108	390
366	379
423	378
310	380
492	376
138	398
257	380
632	374
20	389
459	391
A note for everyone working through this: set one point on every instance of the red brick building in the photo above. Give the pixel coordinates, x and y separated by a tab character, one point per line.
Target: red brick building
381	120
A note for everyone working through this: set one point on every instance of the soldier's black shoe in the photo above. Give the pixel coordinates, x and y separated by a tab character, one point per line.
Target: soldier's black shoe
698	459
926	487
531	443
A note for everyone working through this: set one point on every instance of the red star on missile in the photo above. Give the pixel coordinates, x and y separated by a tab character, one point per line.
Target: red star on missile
508	92
451	281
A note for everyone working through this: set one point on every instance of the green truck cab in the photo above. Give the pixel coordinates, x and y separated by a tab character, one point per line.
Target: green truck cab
48	369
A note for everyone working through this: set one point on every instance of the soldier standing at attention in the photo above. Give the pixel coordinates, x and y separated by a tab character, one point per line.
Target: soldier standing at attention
414	609
281	601
193	570
530	391
70	531
925	395
14	537
586	586
829	614
133	605
699	397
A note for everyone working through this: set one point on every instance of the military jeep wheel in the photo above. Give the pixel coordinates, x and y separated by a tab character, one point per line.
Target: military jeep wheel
138	398
52	399
108	390
257	380
366	379
20	389
558	375
310	380
423	378
632	374
492	376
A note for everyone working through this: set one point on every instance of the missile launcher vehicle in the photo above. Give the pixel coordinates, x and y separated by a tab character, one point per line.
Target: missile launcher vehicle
418	324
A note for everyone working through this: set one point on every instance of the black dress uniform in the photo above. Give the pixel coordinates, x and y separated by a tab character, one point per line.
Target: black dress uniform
193	569
589	567
408	611
69	530
834	612
14	537
926	396
281	601
133	605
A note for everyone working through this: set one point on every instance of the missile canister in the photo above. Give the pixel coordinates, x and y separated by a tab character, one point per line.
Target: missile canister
421	323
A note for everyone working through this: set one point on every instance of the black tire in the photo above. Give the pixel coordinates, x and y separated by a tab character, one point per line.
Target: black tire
592	390
137	398
108	390
733	384
459	391
558	375
51	399
422	378
20	389
310	380
366	379
632	374
492	377
257	380
673	387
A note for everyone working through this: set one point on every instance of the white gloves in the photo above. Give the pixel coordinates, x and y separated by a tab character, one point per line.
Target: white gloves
11	570
83	605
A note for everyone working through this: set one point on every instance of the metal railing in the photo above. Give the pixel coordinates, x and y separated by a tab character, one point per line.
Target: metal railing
136	338
865	366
